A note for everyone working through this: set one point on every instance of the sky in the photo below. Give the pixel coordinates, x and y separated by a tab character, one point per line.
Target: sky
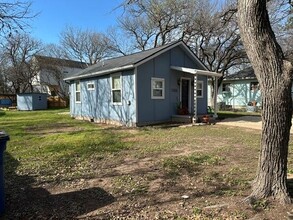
55	15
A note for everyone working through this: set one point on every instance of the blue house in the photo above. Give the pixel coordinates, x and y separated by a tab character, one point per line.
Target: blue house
142	88
239	90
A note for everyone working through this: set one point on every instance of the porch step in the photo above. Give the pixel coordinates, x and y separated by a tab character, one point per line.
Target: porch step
188	119
182	118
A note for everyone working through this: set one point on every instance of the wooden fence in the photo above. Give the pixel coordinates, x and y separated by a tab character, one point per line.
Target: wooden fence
57	102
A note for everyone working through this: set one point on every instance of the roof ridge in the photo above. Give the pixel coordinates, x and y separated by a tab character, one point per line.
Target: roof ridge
56	58
142	51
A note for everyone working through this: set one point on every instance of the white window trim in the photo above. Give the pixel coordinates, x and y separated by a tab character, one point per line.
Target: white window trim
152	89
90	83
111	79
75	91
202	88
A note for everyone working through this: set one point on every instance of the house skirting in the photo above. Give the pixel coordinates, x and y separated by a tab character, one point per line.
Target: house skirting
104	121
189	118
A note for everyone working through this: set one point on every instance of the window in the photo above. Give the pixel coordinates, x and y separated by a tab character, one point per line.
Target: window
77	91
116	89
199	89
226	87
158	88
91	86
254	86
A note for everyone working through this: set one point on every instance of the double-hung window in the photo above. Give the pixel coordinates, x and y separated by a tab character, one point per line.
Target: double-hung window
158	88
116	89
77	91
199	89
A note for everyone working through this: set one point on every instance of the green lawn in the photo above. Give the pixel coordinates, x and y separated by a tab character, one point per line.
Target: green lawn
146	170
231	114
48	144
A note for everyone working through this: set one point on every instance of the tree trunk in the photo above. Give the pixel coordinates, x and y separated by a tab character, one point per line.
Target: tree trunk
274	76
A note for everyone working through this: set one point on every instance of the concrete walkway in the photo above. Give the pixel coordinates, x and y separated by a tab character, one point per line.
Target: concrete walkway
253	122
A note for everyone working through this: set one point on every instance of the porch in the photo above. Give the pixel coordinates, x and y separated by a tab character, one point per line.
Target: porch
194	117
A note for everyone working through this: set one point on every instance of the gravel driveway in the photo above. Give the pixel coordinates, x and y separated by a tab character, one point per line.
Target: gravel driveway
253	122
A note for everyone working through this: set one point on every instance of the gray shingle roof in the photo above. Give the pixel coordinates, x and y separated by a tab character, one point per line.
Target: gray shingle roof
119	62
45	61
242	74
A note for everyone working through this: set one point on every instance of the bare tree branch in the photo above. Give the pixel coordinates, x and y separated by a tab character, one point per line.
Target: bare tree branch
85	46
15	16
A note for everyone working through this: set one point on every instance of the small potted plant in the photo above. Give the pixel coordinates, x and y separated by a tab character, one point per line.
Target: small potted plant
206	119
182	110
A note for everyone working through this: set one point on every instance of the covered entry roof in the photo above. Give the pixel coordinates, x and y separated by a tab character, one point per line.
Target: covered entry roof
196	71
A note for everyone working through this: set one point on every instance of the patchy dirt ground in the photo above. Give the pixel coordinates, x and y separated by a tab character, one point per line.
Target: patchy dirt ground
169	173
253	122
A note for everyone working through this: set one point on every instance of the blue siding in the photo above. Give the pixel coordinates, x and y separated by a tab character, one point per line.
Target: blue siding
156	110
32	101
137	105
239	94
97	104
202	103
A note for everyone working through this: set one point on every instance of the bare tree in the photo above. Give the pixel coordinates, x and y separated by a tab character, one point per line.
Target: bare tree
203	25
118	45
152	23
53	78
54	50
274	74
214	37
16	53
14	16
85	46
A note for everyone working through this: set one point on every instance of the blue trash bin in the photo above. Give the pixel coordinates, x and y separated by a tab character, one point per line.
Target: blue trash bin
3	139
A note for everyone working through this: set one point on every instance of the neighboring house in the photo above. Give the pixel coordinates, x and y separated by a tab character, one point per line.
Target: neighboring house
239	90
50	73
142	88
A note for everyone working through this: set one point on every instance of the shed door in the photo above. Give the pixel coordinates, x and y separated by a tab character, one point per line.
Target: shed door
185	93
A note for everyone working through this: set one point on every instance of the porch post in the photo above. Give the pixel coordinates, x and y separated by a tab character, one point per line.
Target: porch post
215	97
194	119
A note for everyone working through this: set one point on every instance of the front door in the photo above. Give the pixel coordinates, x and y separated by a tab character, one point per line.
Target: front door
185	83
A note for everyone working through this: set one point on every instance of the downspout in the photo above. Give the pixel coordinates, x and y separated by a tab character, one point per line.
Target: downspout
136	96
215	97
